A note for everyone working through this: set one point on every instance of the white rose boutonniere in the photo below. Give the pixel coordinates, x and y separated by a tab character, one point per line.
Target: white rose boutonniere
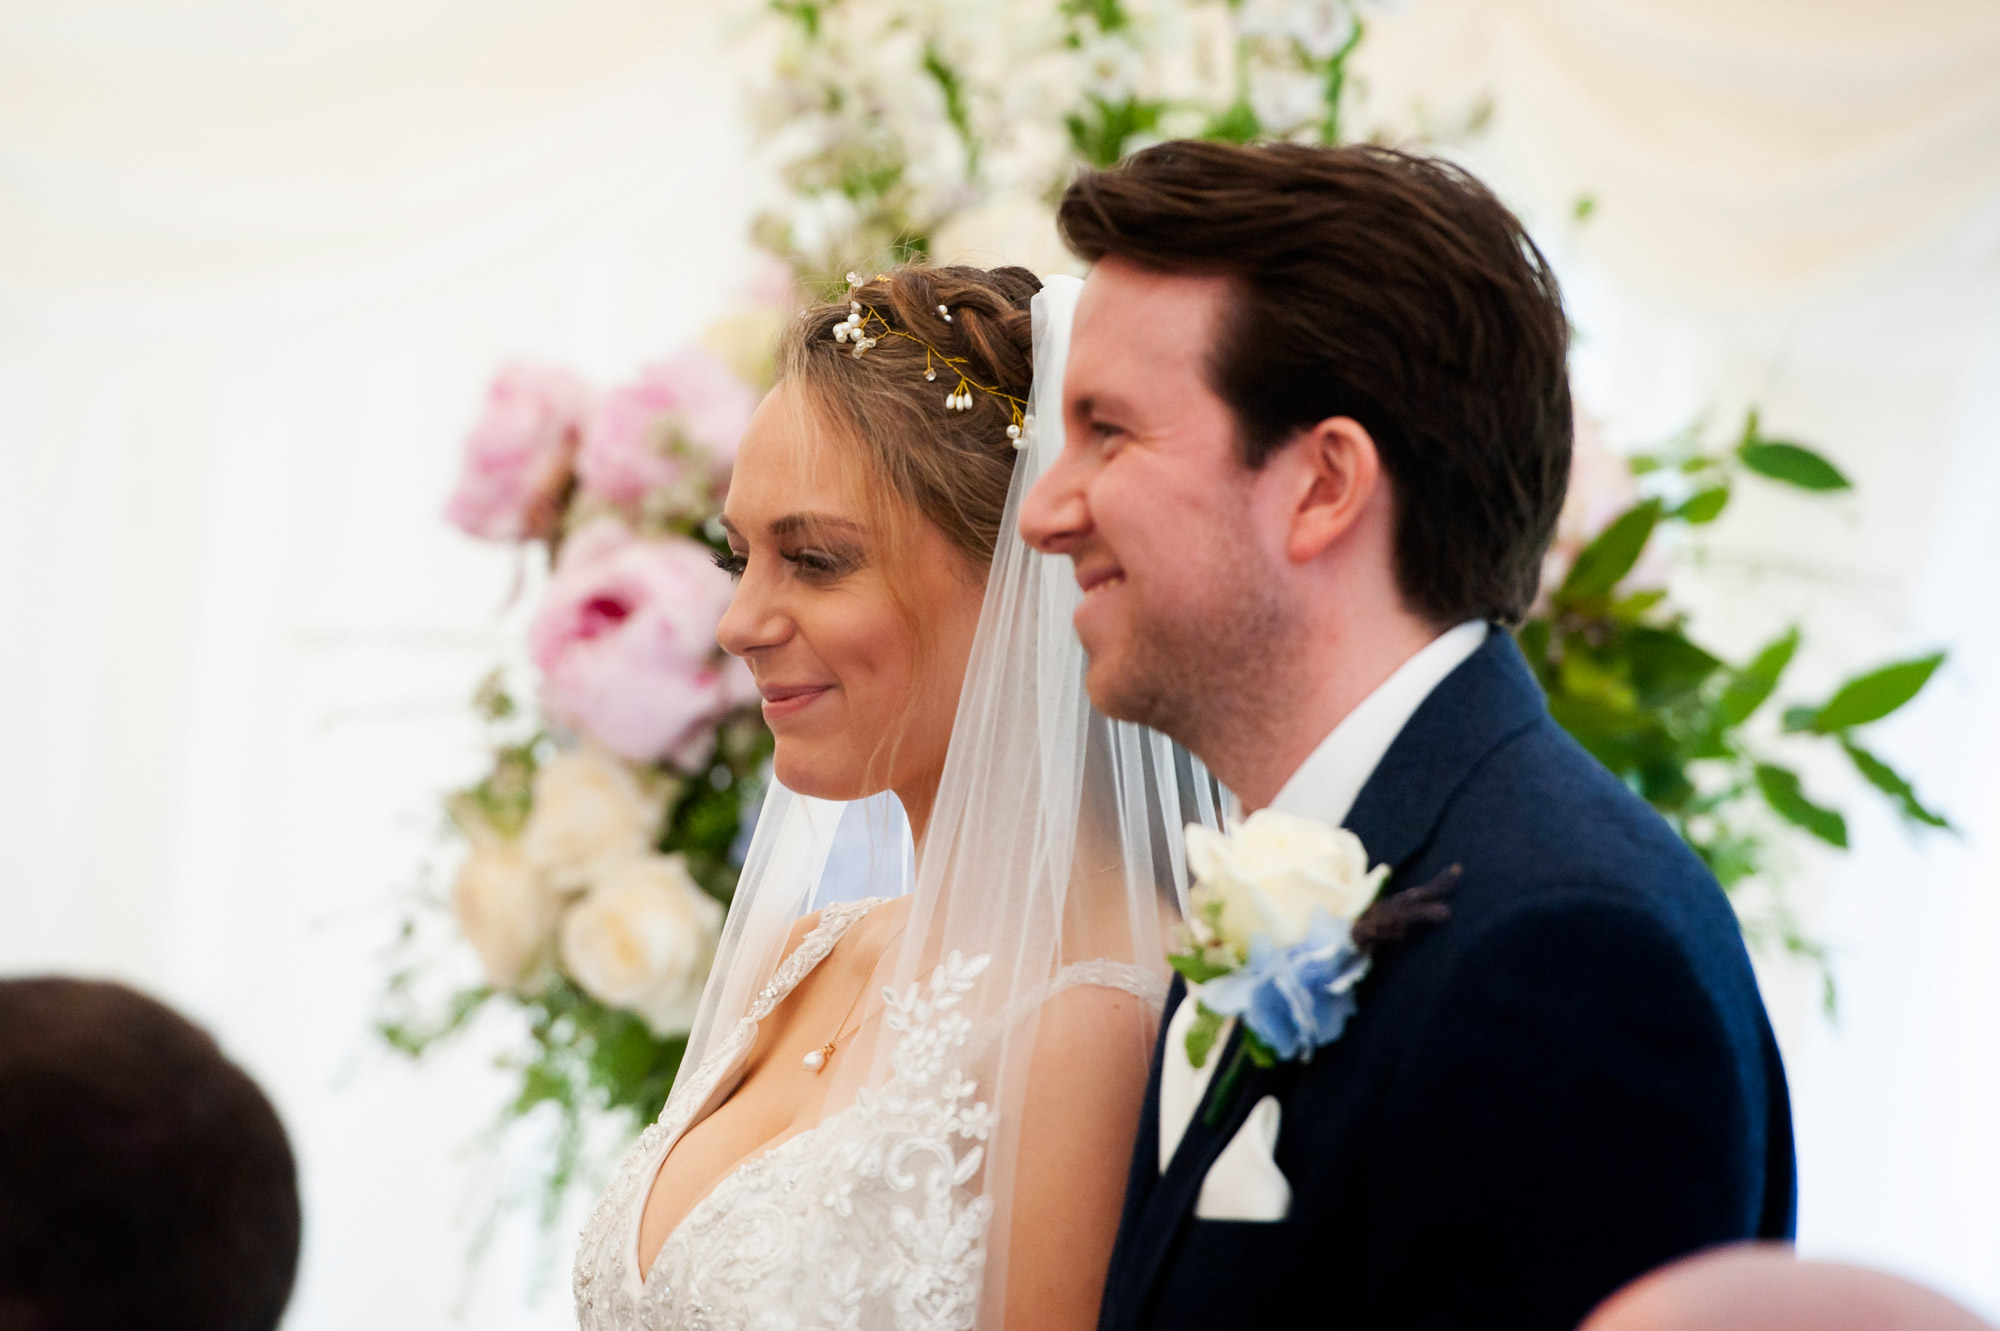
1285	916
1271	873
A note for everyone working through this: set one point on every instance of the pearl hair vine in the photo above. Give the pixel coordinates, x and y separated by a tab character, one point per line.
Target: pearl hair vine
864	327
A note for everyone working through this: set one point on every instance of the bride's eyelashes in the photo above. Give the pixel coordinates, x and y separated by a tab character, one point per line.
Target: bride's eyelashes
823	563
814	563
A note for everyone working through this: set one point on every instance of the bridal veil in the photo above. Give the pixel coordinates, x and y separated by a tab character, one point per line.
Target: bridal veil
1054	860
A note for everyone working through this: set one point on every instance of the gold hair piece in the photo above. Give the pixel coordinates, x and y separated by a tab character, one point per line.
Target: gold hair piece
864	326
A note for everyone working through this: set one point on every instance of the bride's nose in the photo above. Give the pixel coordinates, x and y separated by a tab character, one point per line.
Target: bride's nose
1054	513
753	620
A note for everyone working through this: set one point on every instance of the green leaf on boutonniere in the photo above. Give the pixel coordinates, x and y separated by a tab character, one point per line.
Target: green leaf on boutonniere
1201	1036
1260	1053
1199	967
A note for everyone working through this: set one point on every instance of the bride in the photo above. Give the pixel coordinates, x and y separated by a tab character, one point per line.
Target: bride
912	1112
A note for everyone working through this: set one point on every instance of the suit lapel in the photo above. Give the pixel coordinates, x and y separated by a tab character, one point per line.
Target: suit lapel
1488	700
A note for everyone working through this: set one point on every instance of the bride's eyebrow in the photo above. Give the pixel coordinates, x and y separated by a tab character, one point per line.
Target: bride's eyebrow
815	522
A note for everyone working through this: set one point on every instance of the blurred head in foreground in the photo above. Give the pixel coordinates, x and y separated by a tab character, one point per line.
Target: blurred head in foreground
145	1181
1765	1287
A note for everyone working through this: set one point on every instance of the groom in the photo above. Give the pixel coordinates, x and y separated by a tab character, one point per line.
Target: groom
1318	432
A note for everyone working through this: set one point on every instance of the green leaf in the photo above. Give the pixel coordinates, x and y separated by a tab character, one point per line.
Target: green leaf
1664	665
1887	780
1630	608
1239	124
1870	697
1704	507
1202	1035
1611	556
1753	684
1197	968
1260	1053
1794	464
1582	207
1786	796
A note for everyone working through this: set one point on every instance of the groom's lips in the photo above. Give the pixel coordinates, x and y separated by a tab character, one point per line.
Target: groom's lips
782	700
1099	579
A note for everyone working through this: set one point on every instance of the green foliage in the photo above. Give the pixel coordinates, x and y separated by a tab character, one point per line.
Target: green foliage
1606	560
1202	1035
1868	697
1688	731
1781	460
1100	129
1785	794
1887	780
582	1057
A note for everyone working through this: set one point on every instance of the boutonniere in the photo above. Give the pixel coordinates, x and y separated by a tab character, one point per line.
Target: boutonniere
1286	917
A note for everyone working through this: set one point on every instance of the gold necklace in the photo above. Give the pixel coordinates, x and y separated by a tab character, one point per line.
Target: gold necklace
816	1059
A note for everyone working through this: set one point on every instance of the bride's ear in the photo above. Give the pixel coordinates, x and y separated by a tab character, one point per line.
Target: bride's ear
1338	480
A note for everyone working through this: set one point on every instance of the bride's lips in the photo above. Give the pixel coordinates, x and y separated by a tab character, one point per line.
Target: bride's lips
783	700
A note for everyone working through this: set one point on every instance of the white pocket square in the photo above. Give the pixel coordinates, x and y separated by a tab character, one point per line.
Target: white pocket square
1245	1183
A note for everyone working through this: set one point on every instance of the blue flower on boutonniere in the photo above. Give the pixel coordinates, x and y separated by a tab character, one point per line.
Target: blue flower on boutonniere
1294	999
1284	915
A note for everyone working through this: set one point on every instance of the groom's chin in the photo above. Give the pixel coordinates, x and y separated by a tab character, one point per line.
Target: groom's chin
1110	688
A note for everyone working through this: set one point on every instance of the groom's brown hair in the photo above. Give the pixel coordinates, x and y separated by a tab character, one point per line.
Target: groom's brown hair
1387	287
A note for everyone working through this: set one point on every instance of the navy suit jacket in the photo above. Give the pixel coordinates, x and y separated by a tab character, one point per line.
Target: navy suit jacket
1568	1083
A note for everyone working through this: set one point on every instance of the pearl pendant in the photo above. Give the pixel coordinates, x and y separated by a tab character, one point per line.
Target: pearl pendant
814	1060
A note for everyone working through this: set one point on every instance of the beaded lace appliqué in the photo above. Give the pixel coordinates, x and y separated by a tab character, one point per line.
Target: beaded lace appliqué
868	1219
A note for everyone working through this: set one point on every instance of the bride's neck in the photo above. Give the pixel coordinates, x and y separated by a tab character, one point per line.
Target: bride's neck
917	798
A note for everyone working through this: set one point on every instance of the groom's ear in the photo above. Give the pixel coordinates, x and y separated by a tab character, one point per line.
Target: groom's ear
1337	477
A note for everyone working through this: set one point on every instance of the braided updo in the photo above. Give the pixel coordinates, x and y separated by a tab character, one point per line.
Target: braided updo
952	467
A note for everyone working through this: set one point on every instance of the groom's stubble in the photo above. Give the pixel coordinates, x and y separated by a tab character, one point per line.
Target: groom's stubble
1211	671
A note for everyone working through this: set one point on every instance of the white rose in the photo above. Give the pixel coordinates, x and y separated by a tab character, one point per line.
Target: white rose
642	939
1269	874
503	908
590	812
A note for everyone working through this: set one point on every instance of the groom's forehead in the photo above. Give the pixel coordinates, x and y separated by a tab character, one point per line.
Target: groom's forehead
1129	315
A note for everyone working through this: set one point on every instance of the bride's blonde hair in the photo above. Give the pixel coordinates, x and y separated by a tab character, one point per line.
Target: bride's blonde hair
951	466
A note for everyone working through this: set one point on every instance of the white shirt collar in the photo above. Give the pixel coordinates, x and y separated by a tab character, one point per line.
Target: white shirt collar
1326	784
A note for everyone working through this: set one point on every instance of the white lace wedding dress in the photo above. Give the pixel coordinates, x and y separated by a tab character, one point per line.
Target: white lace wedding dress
864	1220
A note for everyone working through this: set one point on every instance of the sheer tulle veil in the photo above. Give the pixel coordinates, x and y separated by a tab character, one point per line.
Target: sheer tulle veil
1054	852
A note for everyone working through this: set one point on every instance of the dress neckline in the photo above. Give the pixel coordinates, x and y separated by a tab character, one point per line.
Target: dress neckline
712	1085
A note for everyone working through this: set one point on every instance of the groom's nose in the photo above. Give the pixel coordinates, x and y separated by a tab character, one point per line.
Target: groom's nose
1055	515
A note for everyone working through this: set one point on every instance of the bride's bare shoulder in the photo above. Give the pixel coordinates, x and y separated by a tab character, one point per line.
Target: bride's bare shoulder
866	936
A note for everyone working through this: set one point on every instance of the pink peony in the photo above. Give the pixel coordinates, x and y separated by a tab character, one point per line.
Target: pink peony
650	436
517	458
626	644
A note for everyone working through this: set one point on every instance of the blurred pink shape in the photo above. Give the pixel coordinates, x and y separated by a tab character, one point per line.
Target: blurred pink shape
517	456
1765	1287
686	413
626	645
